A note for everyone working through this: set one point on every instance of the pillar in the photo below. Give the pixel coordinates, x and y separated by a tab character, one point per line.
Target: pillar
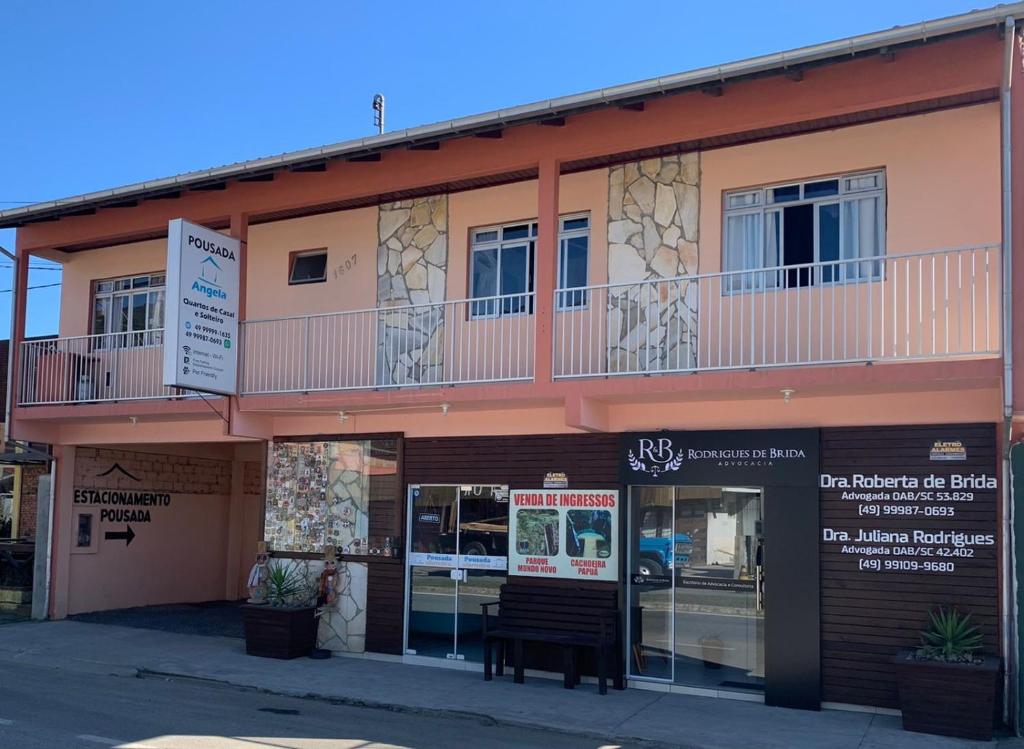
239	229
546	265
60	541
18	316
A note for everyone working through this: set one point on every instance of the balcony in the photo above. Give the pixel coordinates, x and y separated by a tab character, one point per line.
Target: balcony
939	305
461	342
931	305
93	369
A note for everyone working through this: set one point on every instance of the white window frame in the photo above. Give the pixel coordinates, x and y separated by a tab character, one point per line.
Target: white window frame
130	338
569	300
499	243
760	201
294	261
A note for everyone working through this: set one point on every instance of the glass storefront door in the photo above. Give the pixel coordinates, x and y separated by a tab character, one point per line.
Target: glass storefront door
696	586
458	556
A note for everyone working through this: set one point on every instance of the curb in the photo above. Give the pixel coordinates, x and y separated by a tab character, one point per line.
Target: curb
394	707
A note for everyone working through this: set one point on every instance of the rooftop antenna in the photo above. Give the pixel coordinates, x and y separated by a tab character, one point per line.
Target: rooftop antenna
378	112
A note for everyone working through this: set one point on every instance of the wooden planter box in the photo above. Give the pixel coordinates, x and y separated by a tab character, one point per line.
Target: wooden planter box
948	699
279	632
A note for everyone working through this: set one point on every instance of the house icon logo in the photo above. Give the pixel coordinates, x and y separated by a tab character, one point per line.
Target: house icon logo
117	469
207	281
208	268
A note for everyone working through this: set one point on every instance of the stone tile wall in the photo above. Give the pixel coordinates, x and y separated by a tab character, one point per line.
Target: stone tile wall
412	269
653	234
343	627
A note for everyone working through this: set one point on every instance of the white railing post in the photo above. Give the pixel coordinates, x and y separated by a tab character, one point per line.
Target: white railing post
820	313
701	322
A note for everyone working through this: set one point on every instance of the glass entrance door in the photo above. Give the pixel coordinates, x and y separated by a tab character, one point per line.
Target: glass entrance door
696	587
458	556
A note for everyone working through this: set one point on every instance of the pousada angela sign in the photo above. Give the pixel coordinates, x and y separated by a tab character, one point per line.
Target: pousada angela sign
566	533
201	319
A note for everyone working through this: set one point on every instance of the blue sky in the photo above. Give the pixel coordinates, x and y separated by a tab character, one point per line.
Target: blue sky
101	94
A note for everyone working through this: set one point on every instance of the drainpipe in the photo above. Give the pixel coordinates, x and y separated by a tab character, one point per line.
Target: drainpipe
10	341
1009	581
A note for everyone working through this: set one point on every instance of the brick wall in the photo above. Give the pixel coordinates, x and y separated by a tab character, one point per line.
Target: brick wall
29	500
175	474
252	478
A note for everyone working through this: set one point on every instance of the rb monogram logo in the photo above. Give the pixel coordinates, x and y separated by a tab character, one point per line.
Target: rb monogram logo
655	456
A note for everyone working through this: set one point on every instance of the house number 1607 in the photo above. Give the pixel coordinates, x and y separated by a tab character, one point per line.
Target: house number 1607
344	268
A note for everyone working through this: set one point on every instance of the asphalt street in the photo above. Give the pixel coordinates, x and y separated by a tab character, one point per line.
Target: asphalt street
60	709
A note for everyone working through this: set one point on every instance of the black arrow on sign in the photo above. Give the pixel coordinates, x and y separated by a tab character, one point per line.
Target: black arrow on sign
126	535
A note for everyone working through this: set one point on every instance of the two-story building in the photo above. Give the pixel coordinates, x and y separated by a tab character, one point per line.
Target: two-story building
768	303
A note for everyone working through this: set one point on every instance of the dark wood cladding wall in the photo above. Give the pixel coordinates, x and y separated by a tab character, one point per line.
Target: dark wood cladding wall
385	598
589	460
867	616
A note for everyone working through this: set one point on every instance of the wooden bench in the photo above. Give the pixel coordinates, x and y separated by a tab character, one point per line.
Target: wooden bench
573	619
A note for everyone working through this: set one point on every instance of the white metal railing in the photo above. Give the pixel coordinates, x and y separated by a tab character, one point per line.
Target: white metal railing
931	305
446	343
92	369
928	305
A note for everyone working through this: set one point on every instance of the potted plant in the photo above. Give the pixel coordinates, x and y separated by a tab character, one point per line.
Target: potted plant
284	626
946	685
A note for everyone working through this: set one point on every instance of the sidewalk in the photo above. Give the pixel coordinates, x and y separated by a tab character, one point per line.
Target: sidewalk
698	722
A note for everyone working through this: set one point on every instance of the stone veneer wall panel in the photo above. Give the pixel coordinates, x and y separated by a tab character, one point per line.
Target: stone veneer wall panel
412	269
653	234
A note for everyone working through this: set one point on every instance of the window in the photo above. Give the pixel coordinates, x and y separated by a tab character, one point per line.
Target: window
838	221
501	268
573	261
308	267
324	493
129	311
8	502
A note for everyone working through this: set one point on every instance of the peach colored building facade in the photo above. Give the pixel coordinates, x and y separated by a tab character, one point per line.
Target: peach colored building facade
674	325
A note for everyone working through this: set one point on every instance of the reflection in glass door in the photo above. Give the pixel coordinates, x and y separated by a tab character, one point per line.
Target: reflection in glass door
458	557
696	586
434	518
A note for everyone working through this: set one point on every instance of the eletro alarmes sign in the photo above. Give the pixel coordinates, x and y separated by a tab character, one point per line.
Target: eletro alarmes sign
567	533
201	319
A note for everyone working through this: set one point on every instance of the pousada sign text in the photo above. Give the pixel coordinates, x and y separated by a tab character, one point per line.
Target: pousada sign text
201	318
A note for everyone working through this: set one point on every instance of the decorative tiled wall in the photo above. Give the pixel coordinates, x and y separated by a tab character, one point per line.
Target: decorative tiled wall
653	233
412	269
343	626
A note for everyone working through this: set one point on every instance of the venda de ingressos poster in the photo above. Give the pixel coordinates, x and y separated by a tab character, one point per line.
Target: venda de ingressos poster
567	533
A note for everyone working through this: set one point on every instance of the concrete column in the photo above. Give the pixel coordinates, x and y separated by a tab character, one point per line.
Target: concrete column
18	314
60	540
240	230
545	275
40	566
236	525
